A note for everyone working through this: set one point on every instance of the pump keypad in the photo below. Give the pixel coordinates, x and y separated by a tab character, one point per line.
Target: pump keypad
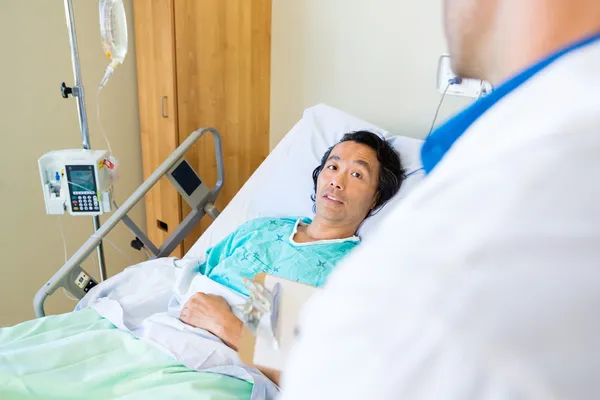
85	202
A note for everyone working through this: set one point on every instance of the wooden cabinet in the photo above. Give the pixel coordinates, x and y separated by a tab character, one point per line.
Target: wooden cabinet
201	63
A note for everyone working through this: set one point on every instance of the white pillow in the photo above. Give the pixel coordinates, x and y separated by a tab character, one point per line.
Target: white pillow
282	185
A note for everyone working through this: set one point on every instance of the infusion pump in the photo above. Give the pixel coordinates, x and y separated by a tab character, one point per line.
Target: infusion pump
77	181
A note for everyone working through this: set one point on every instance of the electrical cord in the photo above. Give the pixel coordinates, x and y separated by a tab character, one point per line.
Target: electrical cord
100	121
413	172
64	242
115	247
454	81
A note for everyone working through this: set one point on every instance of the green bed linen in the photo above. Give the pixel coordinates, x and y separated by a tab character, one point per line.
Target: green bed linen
81	355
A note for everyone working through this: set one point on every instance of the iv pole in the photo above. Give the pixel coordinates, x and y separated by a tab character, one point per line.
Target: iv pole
78	92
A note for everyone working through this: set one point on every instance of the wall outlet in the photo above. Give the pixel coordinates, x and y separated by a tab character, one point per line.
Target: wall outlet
468	87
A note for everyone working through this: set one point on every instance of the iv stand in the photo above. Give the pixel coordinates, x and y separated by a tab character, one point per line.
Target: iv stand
78	92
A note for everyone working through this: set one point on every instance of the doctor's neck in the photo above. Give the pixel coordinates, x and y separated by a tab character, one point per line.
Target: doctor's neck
525	32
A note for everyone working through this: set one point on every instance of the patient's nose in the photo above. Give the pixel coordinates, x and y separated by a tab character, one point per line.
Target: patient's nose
337	182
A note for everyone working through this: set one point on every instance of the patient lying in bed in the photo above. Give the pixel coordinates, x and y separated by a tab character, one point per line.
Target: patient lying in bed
356	177
145	332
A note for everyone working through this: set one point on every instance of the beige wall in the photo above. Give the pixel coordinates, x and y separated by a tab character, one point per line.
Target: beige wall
376	59
35	119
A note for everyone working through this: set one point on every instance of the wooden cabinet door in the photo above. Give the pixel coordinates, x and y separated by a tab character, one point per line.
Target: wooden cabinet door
223	56
157	93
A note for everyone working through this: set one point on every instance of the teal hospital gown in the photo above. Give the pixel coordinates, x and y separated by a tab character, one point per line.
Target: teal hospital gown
267	245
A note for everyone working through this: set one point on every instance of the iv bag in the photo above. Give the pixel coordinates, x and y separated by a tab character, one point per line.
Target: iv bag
113	31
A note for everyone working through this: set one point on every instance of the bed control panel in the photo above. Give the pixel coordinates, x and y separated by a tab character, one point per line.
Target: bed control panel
188	183
85	282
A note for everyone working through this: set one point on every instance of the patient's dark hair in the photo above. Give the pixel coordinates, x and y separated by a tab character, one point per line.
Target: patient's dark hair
391	172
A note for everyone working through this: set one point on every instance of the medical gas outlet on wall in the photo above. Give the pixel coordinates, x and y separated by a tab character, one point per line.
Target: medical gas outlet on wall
467	87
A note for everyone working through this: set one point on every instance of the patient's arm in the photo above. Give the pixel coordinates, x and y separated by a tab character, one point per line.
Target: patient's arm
212	313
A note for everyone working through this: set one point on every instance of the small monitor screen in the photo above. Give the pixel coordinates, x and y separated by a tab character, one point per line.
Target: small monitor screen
82	180
186	177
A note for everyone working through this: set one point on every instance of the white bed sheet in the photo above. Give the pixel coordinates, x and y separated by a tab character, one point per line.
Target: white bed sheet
146	301
282	184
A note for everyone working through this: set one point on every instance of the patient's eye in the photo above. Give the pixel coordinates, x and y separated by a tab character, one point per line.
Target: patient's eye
356	174
332	167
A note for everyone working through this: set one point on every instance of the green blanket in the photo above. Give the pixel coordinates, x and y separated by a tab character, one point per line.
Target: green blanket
82	355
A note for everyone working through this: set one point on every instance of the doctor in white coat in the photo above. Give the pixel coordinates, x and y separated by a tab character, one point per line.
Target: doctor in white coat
485	282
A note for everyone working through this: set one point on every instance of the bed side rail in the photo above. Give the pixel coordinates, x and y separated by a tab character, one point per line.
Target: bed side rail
73	278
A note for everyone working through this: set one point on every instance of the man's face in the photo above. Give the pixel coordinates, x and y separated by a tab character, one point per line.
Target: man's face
347	184
468	25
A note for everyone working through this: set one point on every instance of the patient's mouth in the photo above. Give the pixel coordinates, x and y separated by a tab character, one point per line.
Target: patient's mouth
332	199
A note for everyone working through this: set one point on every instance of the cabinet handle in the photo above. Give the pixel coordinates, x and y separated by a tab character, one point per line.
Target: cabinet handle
163	108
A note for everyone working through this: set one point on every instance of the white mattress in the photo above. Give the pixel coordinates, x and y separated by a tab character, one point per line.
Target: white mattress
282	185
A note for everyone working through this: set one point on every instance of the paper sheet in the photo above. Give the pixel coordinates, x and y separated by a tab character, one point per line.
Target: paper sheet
293	296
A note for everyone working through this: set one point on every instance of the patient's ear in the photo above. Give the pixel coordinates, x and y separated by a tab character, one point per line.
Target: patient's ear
375	200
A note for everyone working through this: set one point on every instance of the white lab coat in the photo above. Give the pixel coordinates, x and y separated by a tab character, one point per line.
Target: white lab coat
485	282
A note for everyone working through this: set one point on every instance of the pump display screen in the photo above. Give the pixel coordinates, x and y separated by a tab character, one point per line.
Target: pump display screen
81	178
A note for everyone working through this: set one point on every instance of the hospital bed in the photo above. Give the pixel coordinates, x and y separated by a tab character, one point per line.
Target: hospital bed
79	353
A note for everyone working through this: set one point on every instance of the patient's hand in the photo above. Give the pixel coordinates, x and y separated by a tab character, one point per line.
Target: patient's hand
212	313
